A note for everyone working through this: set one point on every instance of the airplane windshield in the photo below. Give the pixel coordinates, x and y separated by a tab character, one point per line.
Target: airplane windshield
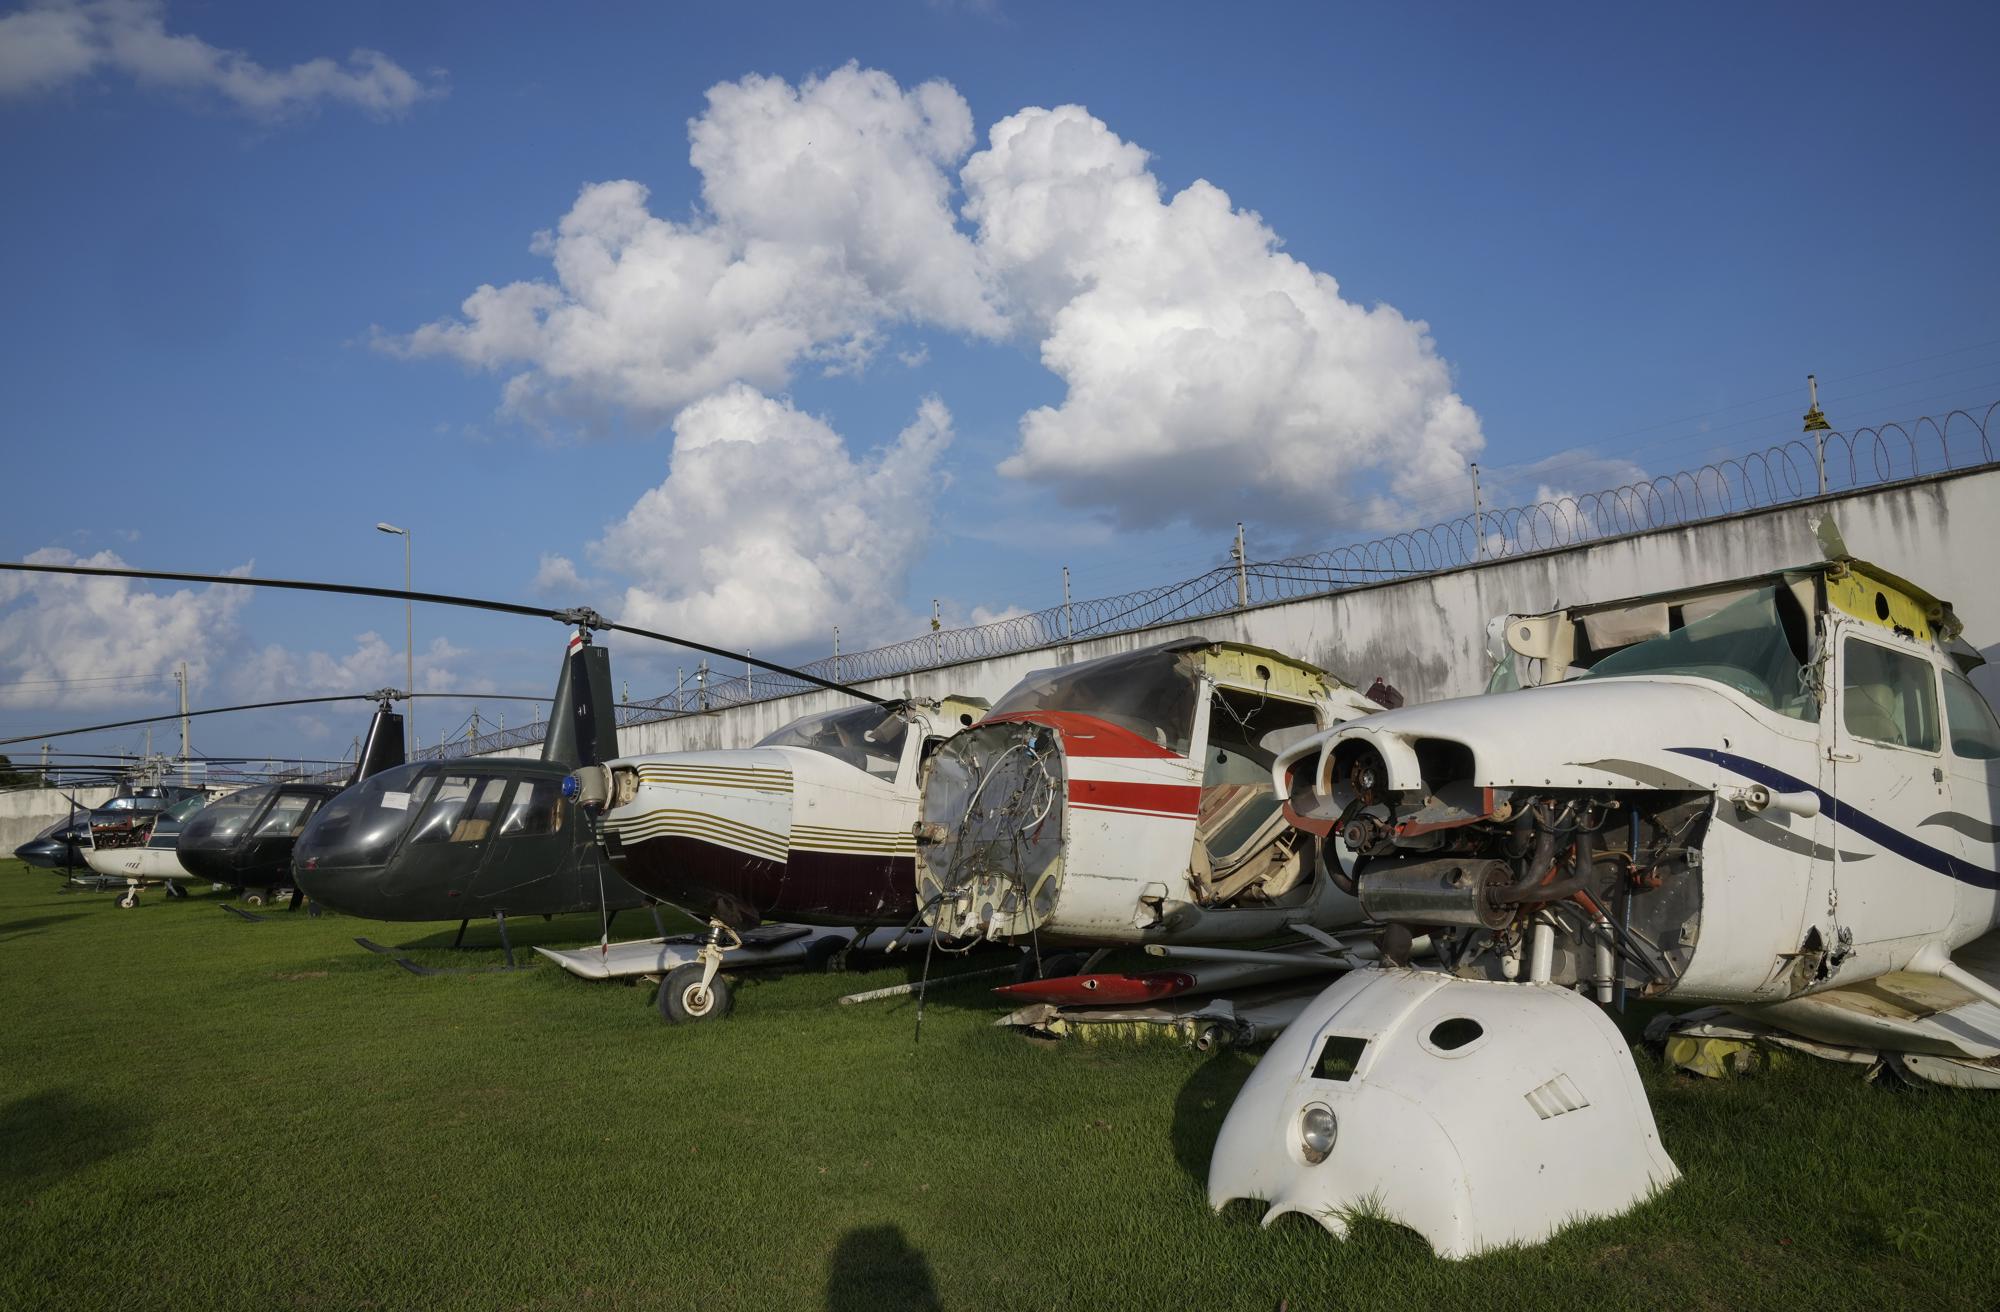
866	737
1152	693
1753	645
360	826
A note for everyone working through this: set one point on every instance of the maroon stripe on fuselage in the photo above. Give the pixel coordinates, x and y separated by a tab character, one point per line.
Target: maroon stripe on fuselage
709	880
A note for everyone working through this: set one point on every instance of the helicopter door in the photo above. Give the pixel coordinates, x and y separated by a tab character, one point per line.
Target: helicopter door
532	842
1973	741
450	837
1886	770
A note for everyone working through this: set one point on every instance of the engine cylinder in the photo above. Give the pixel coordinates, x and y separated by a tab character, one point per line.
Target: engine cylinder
1452	890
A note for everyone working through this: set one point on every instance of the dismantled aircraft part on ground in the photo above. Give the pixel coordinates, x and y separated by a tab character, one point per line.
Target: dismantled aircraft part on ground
470	838
1476	1114
1128	799
1203	1021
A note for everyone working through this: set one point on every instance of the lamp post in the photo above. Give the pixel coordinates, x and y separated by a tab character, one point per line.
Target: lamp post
409	642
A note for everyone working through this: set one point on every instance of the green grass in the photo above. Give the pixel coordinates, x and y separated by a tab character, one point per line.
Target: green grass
200	1112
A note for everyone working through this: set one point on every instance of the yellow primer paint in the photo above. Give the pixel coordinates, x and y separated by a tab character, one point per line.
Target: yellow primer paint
1235	666
1860	594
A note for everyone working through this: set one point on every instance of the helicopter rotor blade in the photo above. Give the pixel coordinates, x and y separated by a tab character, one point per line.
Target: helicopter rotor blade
582	616
213	710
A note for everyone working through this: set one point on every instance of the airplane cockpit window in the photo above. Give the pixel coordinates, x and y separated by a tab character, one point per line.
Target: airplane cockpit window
866	737
536	809
1890	696
1755	645
1152	693
1975	733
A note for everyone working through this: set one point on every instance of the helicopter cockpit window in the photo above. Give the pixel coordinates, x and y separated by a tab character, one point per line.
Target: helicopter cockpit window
536	809
1152	693
361	825
1890	696
447	804
475	823
866	737
224	820
288	815
1756	645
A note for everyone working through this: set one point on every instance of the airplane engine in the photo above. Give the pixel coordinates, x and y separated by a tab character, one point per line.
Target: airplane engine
1577	886
990	837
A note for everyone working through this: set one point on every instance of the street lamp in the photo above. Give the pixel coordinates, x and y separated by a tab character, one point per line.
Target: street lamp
409	641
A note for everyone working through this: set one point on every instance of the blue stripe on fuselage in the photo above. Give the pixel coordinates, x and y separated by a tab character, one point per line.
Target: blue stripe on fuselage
1892	840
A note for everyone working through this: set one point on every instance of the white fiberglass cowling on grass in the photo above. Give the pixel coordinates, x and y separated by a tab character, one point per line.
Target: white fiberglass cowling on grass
1477	1114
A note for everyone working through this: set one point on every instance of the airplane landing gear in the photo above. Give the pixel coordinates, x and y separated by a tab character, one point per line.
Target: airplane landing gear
252	899
175	890
131	898
695	991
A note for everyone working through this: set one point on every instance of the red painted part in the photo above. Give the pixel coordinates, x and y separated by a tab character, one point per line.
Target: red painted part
1168	799
1085	990
1086	735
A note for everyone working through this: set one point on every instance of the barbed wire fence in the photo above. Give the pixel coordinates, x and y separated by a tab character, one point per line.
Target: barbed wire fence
1816	464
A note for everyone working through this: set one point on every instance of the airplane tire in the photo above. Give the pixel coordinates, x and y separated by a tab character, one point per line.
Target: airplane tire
176	891
129	901
682	1003
253	899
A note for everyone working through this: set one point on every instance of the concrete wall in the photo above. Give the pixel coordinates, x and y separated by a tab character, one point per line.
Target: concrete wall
25	812
1427	635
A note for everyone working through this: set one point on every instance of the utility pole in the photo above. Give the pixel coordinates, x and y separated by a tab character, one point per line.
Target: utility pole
1242	573
1478	514
182	675
1816	425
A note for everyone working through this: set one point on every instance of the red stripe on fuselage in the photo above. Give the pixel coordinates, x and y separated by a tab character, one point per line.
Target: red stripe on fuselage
1086	735
1160	799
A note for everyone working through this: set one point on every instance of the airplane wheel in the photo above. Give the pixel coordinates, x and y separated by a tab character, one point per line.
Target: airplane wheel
175	890
129	901
253	899
683	1002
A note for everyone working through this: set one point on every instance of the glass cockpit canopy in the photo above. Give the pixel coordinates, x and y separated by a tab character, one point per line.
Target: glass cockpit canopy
866	737
1153	693
220	823
360	827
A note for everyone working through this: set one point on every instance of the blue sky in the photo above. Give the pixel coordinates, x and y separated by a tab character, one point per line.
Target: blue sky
1630	236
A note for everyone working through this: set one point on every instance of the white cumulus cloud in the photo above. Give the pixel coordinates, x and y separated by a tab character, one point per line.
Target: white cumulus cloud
55	42
71	641
275	671
1210	376
767	532
828	213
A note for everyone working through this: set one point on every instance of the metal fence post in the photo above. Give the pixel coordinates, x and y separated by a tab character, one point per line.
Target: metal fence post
1242	577
1069	630
1478	514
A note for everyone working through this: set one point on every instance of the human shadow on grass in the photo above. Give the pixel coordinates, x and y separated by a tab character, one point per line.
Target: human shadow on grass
876	1269
55	1133
1200	1106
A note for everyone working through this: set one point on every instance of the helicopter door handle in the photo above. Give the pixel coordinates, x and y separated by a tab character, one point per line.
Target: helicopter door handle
1937	774
1833	754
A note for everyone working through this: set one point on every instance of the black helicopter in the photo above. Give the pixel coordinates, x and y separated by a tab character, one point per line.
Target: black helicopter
475	837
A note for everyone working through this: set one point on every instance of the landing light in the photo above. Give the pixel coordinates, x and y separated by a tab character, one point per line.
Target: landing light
1317	1130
